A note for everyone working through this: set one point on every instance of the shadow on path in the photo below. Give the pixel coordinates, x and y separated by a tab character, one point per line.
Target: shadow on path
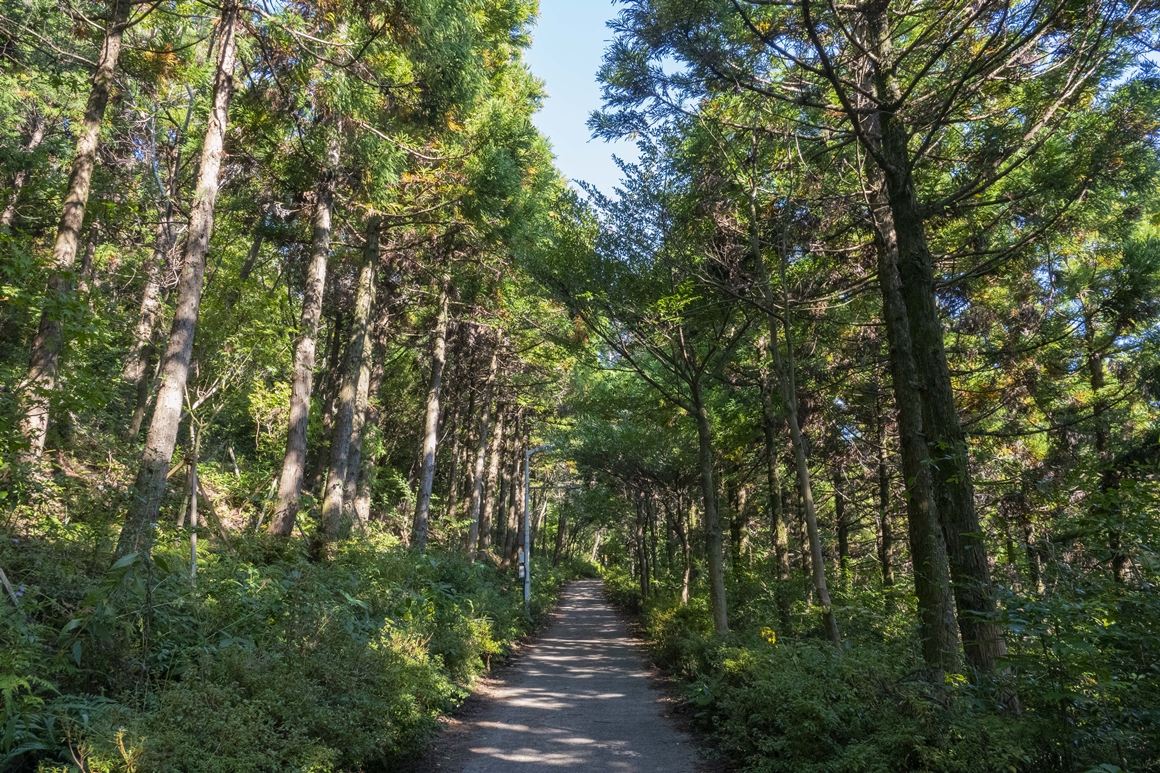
578	699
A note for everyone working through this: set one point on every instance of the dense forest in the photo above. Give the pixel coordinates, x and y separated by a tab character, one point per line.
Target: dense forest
850	391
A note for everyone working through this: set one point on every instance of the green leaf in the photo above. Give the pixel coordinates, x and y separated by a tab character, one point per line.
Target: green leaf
124	561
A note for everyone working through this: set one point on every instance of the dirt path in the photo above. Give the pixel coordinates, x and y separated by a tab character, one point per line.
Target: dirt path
578	698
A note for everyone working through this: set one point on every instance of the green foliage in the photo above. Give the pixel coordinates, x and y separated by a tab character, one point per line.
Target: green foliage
269	662
776	700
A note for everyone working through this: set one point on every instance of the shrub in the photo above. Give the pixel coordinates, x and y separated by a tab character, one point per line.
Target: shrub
268	662
775	699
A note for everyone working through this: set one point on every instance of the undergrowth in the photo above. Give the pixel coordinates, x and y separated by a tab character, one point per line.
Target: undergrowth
267	662
775	699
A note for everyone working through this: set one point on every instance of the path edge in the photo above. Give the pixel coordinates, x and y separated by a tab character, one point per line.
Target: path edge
451	725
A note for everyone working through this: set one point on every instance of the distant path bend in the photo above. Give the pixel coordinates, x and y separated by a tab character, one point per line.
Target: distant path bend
578	699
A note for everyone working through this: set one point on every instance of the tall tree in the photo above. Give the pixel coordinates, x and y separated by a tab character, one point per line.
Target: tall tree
334	490
294	462
477	480
37	389
149	488
431	425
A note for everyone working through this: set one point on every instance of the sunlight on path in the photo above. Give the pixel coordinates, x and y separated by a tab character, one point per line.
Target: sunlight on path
579	700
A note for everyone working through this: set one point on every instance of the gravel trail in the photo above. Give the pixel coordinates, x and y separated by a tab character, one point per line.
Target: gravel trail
578	698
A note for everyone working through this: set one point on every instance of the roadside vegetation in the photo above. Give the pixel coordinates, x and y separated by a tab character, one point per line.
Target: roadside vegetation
268	662
851	388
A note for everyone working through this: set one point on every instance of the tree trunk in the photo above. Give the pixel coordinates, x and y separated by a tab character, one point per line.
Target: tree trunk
787	377
843	527
937	629
344	415
39	127
651	510
193	487
682	519
954	499
561	532
326	394
773	477
301	386
45	356
85	274
358	435
514	538
499	519
268	212
1034	567
538	524
885	535
817	560
736	528
453	474
431	431
364	484
513	481
492	493
1106	507
140	362
715	557
481	454
150	484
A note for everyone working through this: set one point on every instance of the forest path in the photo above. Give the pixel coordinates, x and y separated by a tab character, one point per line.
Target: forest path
578	698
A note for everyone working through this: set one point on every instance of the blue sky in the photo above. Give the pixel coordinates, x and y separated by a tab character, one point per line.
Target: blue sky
567	47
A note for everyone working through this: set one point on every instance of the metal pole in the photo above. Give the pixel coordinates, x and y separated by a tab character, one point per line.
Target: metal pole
527	552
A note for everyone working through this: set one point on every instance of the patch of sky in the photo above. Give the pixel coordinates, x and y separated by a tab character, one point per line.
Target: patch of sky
568	45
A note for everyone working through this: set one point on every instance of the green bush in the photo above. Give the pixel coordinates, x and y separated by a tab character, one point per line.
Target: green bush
775	699
268	662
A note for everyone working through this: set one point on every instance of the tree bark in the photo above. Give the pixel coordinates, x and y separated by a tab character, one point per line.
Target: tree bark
681	520
513	539
140	362
358	435
1034	567
773	477
431	429
454	474
344	417
740	530
714	548
954	498
509	468
809	513
326	393
39	127
538	522
150	483
937	629
561	532
372	415
885	535
301	387
492	491
481	454
843	528
44	361
268	211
